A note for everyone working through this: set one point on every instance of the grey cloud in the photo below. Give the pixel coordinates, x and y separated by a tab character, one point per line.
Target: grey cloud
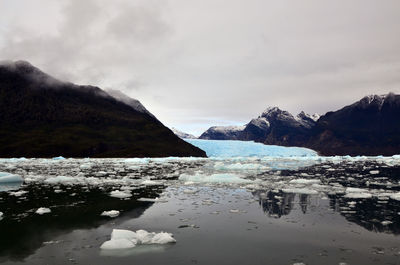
200	63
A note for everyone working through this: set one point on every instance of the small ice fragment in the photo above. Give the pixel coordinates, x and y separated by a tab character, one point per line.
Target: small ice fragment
152	200
374	172
305	181
43	210
1	216
18	193
112	213
386	222
234	211
120	194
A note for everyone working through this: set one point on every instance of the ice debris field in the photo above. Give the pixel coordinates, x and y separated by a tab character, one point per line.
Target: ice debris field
270	173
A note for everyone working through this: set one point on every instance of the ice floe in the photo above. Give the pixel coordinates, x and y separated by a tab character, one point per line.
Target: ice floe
123	239
111	213
43	210
214	178
120	194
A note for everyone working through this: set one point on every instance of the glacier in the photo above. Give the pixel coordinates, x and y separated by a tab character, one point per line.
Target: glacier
233	148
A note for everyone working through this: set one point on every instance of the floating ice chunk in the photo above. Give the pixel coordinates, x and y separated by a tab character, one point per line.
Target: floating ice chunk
386	222
9	178
120	243
120	194
374	172
239	166
149	182
58	158
43	210
122	239
300	191
395	196
214	178
1	216
152	200
61	180
305	181
112	213
18	193
357	193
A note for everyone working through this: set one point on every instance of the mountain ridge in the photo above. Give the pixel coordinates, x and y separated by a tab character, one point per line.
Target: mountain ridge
369	126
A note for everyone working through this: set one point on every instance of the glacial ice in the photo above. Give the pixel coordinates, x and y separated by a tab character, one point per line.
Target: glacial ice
122	239
231	148
9	178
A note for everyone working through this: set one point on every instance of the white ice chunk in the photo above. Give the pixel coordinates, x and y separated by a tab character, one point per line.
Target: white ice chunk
374	172
357	193
120	243
305	181
120	194
18	193
214	178
112	213
300	191
62	180
122	239
43	210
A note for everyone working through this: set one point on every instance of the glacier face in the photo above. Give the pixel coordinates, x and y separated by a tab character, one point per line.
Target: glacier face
233	148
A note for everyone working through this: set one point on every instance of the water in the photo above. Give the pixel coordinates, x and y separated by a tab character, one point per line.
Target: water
221	210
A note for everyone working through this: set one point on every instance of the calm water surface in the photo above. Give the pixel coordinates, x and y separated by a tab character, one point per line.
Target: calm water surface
220	211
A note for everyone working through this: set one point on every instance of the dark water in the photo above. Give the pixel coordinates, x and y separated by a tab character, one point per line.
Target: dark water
277	217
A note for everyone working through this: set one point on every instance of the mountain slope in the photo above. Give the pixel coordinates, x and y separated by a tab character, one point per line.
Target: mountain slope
370	126
44	117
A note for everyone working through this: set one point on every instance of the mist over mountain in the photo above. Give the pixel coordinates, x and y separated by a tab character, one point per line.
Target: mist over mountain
41	116
370	126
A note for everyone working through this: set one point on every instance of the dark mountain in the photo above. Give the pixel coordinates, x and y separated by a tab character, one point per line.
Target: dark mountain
41	116
370	126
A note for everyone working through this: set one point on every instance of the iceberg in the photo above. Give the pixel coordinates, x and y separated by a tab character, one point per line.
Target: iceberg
233	148
123	239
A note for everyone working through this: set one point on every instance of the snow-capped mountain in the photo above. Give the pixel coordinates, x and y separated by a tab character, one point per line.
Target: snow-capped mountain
182	135
222	133
370	126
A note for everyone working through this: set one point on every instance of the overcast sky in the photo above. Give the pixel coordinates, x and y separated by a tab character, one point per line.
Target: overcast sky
212	62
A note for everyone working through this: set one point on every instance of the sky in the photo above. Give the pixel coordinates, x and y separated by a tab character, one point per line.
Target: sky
195	64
